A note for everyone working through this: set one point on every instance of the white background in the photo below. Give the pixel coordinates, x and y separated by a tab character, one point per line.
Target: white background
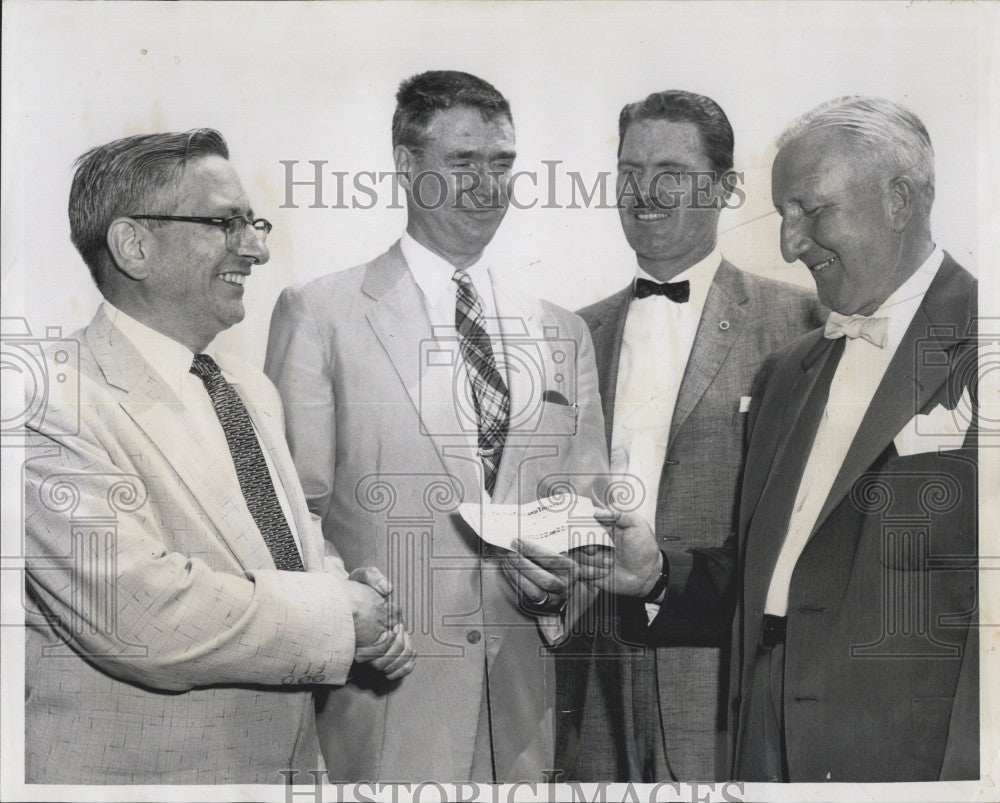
316	81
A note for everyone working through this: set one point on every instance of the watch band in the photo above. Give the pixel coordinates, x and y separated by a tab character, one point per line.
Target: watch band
661	582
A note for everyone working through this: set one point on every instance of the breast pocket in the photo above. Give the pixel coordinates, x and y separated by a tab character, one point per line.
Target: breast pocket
558	419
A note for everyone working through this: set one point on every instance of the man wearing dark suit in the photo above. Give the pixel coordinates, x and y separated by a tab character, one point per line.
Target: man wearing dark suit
855	641
413	383
185	639
675	375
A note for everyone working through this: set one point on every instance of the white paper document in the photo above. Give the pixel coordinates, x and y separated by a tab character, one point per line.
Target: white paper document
558	523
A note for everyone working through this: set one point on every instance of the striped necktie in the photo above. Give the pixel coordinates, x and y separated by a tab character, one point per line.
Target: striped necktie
489	391
251	469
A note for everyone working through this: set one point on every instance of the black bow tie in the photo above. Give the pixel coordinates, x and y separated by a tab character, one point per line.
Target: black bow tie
675	291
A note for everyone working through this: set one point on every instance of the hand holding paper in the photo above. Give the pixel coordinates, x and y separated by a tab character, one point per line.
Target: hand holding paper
539	535
637	555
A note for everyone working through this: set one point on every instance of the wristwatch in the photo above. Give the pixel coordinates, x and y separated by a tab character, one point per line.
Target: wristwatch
661	582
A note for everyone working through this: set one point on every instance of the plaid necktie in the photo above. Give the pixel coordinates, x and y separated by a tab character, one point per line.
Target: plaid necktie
251	469
489	391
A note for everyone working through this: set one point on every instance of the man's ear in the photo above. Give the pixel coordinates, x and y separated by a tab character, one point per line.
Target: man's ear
129	244
902	198
403	158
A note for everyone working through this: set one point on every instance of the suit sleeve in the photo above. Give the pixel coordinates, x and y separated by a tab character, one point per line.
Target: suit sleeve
125	602
298	363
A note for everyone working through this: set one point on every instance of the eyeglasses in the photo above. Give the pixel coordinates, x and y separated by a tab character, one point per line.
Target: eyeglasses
235	226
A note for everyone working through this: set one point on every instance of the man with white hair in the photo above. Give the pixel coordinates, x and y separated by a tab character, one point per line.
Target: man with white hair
855	642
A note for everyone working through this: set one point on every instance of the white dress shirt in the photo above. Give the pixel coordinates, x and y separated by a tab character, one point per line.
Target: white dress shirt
433	275
854	383
656	344
172	361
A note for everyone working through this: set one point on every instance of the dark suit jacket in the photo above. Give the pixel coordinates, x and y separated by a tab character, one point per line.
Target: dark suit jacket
881	656
673	703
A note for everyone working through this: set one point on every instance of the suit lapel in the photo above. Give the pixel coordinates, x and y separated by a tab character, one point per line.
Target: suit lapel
606	335
721	321
902	393
399	320
769	505
157	411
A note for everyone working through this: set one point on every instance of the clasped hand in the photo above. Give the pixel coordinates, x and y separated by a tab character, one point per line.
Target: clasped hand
380	635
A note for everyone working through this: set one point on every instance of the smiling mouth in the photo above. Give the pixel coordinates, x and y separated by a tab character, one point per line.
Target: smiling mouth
820	265
651	216
238	279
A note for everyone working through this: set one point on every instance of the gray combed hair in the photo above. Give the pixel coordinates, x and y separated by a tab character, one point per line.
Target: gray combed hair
889	132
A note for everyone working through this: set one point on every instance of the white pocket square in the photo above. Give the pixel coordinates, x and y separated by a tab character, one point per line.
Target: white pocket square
745	404
939	430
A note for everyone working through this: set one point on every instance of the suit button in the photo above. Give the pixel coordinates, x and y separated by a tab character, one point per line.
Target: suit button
473	636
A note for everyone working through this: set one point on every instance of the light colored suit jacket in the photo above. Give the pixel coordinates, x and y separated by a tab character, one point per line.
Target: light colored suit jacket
881	655
676	710
162	644
385	460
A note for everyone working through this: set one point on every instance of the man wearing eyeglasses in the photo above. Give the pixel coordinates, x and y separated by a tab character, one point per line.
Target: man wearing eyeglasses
183	642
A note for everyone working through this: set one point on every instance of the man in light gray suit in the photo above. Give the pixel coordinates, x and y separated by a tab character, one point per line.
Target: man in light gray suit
181	606
415	382
677	351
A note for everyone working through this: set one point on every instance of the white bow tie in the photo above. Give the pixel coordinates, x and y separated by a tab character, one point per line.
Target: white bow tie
873	330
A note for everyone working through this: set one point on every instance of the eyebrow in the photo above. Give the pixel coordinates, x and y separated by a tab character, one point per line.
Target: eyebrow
473	155
632	163
232	210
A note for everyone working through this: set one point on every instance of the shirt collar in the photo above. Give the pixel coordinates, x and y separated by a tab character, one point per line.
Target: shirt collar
902	304
914	288
170	359
433	273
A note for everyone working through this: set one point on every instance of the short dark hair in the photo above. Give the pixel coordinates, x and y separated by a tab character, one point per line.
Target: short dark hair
123	177
678	106
423	95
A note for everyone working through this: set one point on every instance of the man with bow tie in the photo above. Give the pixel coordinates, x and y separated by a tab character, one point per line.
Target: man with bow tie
855	641
677	351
